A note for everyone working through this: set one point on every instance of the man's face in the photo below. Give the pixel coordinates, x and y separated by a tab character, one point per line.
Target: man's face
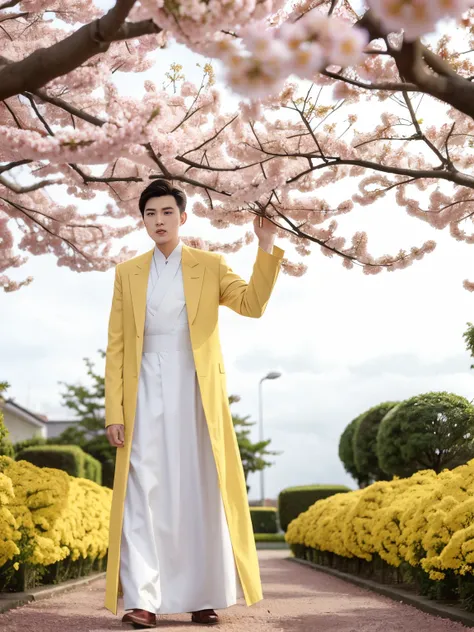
163	219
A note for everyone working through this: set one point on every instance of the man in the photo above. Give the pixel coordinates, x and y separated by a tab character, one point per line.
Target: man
180	531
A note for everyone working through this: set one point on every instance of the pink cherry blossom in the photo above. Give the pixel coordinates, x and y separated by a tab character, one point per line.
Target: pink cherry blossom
345	134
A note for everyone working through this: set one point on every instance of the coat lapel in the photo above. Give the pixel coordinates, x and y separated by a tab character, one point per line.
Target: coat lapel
193	277
138	288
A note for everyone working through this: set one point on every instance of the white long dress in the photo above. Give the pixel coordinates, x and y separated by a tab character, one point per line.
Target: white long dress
176	553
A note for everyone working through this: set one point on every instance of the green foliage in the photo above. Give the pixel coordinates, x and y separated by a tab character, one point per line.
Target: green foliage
69	458
294	500
430	431
269	537
264	519
28	443
469	340
92	469
6	448
100	448
346	451
74	435
364	443
88	404
254	456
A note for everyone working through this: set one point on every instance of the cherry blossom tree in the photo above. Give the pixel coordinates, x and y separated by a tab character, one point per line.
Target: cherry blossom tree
307	75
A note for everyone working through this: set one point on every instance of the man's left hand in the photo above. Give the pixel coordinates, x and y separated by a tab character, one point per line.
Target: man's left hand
266	233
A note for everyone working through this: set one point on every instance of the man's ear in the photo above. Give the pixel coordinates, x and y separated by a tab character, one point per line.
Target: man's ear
183	218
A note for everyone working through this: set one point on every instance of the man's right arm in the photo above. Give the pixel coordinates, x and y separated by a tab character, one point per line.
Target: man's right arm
114	358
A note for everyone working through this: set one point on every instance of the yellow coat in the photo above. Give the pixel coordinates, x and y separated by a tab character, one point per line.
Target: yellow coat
208	283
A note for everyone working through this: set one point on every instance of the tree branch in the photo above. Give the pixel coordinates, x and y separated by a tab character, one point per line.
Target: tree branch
420	66
46	64
28	188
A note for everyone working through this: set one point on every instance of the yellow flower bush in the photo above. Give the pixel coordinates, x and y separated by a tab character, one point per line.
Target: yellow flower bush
426	520
9	534
84	528
56	516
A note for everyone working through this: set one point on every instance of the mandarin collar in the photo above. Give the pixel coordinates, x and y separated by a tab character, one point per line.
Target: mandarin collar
176	254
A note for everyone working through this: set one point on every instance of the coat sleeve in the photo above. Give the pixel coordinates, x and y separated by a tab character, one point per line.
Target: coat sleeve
250	299
114	358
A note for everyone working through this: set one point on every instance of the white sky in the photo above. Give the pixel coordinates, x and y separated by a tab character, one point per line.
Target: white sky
343	341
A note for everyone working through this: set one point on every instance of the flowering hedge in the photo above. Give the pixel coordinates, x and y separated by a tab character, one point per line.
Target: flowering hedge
425	522
47	516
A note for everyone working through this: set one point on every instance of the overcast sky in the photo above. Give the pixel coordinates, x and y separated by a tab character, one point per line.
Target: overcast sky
343	341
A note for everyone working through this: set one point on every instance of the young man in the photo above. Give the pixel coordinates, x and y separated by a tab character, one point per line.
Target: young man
180	532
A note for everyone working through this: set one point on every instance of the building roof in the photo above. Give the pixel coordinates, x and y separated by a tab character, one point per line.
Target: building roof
23	413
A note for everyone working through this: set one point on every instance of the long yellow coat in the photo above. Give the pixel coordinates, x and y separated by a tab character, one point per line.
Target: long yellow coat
208	283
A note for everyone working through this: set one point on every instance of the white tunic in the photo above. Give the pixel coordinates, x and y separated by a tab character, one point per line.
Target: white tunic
176	553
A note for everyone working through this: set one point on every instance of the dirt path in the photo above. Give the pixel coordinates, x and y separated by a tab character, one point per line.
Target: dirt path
297	599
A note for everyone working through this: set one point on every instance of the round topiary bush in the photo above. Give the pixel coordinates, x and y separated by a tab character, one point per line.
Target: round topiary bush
365	442
431	431
346	449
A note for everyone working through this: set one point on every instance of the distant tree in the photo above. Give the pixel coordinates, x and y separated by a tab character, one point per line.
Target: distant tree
469	339
254	456
88	405
88	402
6	448
431	431
346	453
364	443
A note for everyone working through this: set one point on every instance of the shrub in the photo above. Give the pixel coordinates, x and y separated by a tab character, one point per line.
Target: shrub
365	442
270	537
69	458
6	448
100	448
28	443
264	519
47	516
93	469
294	500
346	451
423	523
430	431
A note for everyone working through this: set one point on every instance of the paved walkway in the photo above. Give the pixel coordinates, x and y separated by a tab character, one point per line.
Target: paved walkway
298	599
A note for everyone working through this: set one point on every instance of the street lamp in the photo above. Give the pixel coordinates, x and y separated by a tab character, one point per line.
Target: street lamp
273	375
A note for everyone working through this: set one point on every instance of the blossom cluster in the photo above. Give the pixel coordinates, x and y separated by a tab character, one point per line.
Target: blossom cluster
260	63
56	516
426	520
416	17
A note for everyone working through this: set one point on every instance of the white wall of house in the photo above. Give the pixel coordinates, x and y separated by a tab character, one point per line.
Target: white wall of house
21	425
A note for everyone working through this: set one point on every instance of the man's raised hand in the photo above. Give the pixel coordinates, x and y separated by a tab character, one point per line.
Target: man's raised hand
265	231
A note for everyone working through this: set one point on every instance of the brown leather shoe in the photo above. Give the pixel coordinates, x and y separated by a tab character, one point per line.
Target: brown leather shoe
140	619
205	617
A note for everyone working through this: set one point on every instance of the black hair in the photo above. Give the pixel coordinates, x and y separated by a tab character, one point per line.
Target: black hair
160	188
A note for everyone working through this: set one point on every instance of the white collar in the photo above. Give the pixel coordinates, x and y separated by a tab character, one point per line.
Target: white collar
174	256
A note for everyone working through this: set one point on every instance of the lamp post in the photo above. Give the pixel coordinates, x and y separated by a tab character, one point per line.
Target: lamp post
273	375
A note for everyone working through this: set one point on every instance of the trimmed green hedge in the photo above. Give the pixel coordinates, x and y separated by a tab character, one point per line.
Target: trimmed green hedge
93	469
264	519
294	500
69	458
269	537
